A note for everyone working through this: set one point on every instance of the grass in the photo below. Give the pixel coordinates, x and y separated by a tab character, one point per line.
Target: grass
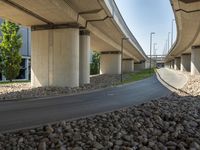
8	82
131	77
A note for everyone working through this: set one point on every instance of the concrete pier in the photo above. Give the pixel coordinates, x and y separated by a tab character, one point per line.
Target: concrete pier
186	62
55	58
195	60
167	65
172	64
110	62
177	63
128	65
84	63
139	66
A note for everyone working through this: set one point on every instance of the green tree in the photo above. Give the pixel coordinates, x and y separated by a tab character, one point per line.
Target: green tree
11	42
95	65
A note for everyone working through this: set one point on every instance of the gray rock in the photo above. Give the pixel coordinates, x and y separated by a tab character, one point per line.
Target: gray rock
90	135
193	124
195	145
42	146
21	139
62	148
127	137
98	145
119	142
151	144
49	129
77	148
171	143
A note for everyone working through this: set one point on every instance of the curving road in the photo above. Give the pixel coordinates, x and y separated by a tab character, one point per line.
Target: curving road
24	114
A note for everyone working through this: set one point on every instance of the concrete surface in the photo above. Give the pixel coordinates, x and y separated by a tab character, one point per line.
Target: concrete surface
128	66
172	77
110	63
188	23
55	58
139	66
186	62
177	63
195	61
15	115
106	33
172	64
84	55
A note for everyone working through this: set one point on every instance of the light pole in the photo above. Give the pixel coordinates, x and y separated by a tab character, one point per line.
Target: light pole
154	48
168	40
172	35
154	53
122	51
166	46
151	36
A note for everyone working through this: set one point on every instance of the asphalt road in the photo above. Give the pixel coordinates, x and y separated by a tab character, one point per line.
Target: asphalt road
24	114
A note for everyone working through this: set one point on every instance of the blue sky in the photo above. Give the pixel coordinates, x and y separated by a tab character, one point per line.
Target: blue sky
145	16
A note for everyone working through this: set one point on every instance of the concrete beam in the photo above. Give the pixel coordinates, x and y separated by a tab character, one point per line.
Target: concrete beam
55	58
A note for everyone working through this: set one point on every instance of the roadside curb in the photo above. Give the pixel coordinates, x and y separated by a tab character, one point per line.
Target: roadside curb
167	85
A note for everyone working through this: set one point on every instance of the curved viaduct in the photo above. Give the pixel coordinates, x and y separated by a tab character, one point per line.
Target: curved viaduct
185	54
64	31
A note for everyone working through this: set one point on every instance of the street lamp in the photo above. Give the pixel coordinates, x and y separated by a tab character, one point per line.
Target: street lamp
122	51
166	47
172	35
154	48
154	53
168	40
151	36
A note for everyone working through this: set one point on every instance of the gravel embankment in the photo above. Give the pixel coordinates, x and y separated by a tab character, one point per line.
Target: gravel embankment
193	85
24	90
167	123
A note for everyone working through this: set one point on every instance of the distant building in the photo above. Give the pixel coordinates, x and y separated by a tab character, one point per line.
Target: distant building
25	51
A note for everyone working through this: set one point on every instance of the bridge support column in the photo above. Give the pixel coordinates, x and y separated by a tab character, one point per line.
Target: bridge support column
110	62
172	64
177	63
168	64
140	66
128	65
185	62
55	58
195	60
84	64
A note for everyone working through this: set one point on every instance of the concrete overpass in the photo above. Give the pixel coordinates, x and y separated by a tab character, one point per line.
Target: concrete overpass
64	31
185	53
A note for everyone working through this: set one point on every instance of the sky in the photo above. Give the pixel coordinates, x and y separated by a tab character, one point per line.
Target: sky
146	16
